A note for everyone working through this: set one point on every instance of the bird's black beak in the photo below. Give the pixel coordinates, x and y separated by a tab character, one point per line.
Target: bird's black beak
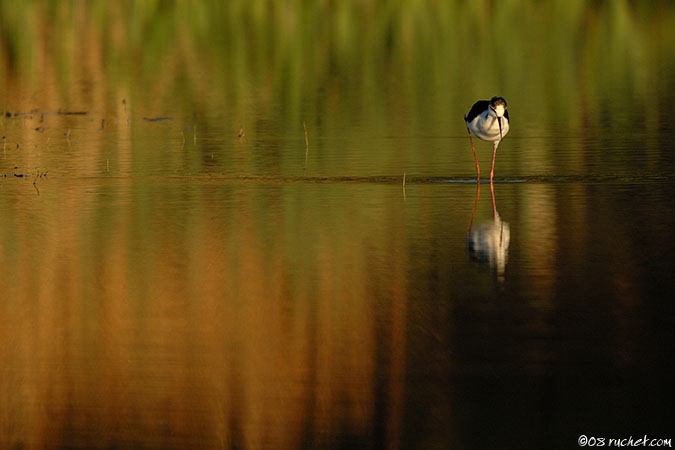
499	119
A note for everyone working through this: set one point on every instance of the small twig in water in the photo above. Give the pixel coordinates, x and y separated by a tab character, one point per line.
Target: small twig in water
38	175
306	145
241	131
124	102
404	186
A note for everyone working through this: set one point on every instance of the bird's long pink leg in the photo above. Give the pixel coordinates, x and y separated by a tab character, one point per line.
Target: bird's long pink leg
474	155
494	205
494	153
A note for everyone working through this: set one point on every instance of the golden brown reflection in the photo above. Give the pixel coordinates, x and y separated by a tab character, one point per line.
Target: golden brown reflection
163	315
148	305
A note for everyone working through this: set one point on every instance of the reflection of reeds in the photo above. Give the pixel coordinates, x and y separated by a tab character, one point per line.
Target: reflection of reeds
429	36
99	303
208	330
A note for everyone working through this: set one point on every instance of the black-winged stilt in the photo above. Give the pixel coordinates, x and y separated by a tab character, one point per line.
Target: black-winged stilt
489	121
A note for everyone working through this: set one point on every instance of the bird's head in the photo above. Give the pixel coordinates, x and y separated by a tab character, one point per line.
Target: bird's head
498	106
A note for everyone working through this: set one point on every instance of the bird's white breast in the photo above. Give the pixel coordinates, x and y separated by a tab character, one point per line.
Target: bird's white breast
486	127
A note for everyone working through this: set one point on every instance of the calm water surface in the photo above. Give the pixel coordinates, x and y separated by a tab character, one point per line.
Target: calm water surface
167	284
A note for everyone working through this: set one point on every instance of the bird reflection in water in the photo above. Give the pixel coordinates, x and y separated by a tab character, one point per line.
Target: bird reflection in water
488	242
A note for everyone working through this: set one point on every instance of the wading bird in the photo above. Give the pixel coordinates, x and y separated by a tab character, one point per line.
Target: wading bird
489	121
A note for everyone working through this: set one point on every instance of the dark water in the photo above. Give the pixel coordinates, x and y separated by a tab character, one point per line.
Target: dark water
167	283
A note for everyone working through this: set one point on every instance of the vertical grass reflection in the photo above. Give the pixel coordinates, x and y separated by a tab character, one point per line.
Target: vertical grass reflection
164	321
376	68
148	305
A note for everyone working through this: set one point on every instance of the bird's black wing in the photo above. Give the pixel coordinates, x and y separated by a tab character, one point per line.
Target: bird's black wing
477	108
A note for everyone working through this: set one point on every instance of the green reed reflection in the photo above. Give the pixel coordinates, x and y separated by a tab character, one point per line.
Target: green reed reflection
174	283
390	66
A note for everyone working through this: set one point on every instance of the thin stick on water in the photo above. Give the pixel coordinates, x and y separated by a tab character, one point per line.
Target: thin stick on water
306	145
38	175
126	113
404	198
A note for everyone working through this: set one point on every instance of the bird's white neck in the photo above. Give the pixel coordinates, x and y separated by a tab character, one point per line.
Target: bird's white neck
499	110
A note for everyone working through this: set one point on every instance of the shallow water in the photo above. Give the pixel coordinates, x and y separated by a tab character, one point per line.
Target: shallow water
168	284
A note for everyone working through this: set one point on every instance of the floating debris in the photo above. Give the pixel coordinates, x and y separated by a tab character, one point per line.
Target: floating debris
156	119
72	113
